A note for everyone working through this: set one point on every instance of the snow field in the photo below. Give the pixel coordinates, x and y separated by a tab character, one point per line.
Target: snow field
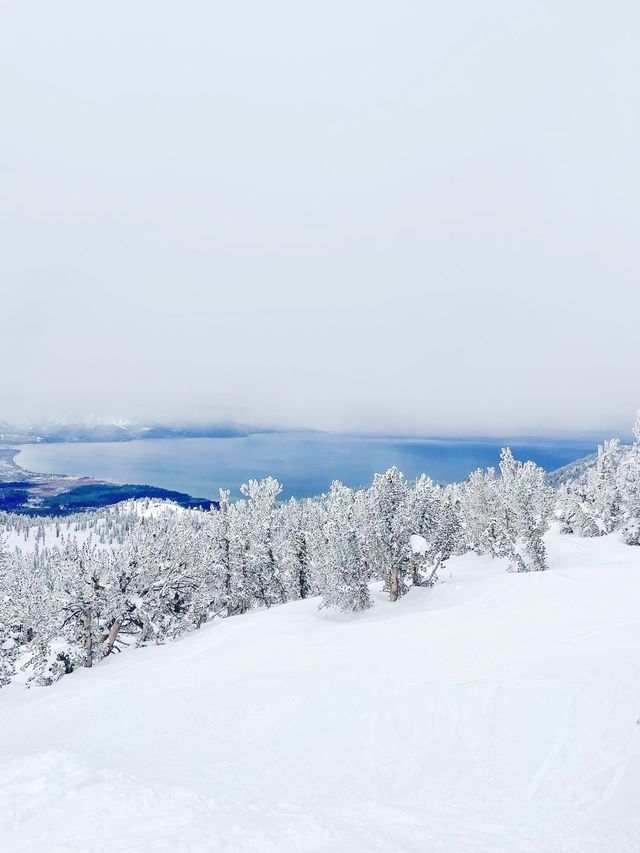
495	713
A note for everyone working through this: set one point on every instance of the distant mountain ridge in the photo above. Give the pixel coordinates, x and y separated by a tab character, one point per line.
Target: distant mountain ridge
120	431
574	470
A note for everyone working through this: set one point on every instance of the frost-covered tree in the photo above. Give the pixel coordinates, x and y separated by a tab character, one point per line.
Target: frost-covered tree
337	560
222	590
480	504
628	482
424	508
385	525
78	587
33	613
593	504
297	520
446	534
263	577
8	640
605	497
525	508
152	583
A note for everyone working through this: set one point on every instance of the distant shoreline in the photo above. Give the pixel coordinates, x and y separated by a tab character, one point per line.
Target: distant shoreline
32	493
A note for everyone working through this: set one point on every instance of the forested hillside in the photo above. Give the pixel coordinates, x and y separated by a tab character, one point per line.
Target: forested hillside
76	591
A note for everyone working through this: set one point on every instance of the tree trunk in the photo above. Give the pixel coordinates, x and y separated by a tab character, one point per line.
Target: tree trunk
394	585
88	640
431	577
111	638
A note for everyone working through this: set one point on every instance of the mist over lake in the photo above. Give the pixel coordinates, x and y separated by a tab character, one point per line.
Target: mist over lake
305	462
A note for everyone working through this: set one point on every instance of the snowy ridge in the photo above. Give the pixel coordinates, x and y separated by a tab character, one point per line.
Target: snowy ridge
495	713
105	527
118	429
572	471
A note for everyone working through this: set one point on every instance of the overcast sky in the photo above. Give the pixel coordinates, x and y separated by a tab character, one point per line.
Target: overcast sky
407	216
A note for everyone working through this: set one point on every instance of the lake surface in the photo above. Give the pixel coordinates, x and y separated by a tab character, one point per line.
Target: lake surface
305	462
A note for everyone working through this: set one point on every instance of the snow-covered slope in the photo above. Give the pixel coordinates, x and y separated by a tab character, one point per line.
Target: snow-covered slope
106	526
572	471
495	713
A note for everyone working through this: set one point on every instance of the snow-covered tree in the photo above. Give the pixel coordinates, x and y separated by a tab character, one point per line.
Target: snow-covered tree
593	504
78	587
297	519
8	640
605	496
446	534
263	577
424	508
152	583
481	528
628	481
31	617
525	508
384	526
337	560
222	590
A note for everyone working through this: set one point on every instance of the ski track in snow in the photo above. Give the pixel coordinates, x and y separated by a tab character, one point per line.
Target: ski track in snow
495	713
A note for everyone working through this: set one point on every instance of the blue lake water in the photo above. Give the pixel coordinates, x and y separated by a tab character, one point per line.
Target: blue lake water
305	462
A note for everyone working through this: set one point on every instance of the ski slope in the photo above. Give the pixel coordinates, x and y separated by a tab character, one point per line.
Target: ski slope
495	713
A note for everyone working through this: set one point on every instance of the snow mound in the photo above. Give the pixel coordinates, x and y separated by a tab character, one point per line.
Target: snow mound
495	713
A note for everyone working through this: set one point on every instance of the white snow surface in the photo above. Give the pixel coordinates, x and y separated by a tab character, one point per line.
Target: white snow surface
418	544
495	713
